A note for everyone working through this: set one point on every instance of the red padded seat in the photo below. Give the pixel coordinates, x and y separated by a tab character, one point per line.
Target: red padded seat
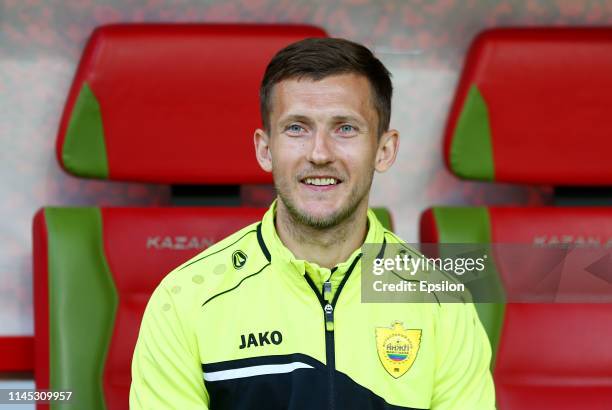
549	355
533	106
16	353
170	103
163	103
94	271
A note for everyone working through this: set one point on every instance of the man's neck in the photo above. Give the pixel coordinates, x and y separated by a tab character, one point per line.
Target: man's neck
325	247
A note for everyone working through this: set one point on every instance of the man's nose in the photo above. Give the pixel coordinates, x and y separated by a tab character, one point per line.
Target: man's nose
321	148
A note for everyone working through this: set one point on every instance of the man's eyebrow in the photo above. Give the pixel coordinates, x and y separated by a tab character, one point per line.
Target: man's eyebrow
336	119
347	118
295	117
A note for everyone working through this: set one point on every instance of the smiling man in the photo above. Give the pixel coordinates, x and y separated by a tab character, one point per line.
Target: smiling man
271	317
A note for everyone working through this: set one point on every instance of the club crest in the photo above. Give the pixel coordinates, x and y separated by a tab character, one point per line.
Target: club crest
397	348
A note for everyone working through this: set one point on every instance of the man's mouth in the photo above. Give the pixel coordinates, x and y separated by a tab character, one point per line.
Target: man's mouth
321	181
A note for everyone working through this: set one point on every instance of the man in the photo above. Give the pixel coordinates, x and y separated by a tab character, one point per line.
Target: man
271	317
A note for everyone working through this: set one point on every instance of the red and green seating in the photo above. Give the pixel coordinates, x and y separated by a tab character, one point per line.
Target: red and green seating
532	106
546	355
158	103
174	103
95	269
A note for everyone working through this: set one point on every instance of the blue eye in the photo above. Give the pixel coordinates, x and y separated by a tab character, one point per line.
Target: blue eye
347	129
295	129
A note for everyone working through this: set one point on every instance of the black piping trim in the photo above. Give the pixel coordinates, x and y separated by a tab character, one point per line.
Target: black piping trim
239	283
399	240
262	360
404	279
331	272
345	279
438	300
284	359
262	244
220	250
381	253
314	288
415	281
404	245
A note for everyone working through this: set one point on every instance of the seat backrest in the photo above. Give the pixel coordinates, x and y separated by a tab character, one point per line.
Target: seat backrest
164	103
161	102
533	106
95	269
549	355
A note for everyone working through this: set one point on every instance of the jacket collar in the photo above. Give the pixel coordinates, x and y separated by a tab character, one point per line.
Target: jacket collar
277	253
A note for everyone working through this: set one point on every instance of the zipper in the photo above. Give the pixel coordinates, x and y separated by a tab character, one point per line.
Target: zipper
328	315
328	306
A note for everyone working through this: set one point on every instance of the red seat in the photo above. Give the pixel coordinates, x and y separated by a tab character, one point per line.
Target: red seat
170	103
158	103
16	354
95	269
548	355
532	106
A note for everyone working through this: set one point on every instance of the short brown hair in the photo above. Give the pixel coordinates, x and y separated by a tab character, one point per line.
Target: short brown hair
317	58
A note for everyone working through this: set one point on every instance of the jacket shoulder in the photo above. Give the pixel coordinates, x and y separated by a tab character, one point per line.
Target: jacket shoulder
220	268
391	237
219	250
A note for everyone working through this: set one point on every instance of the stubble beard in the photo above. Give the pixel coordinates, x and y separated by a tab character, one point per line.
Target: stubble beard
356	196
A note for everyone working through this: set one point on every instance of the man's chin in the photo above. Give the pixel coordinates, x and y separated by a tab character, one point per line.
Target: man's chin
320	217
318	213
319	221
319	209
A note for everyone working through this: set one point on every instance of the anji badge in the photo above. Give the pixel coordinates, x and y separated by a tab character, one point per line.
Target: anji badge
397	348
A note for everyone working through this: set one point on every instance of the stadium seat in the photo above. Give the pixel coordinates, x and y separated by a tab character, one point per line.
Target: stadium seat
161	103
531	107
174	104
548	355
16	354
95	270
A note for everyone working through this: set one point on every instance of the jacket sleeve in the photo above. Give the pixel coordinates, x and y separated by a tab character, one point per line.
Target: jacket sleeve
166	370
463	380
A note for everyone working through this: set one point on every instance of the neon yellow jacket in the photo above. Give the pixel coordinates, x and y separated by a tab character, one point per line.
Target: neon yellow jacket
245	325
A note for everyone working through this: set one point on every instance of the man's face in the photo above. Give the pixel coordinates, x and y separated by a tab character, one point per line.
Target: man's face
322	147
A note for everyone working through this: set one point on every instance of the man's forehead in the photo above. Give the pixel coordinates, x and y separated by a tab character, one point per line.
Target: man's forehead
342	95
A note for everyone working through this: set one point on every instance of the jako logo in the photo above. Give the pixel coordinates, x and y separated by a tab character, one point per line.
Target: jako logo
261	339
239	258
178	242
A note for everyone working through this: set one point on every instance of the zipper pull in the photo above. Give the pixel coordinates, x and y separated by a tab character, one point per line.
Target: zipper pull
327	291
329	317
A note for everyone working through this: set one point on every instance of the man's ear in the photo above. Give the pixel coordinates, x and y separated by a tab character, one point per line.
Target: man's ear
388	146
262	149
